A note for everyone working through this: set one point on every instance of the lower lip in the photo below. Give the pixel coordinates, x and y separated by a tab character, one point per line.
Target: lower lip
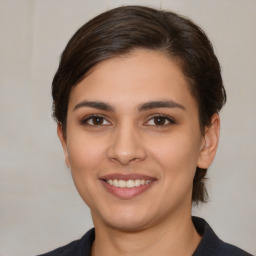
126	193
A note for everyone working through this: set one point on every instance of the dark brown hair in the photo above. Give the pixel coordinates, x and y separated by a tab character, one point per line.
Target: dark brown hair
121	30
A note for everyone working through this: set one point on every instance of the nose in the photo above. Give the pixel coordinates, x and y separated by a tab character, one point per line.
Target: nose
126	146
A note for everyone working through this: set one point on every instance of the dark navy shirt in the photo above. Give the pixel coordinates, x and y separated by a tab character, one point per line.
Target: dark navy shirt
210	244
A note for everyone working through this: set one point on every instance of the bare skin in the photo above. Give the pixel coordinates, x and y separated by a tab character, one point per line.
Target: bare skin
179	239
133	120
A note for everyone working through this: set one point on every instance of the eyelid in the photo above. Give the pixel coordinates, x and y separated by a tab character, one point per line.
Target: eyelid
84	120
170	120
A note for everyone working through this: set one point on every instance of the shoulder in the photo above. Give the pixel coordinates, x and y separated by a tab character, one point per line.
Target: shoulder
211	245
81	247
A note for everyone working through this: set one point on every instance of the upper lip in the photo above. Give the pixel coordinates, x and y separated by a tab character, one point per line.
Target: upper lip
121	176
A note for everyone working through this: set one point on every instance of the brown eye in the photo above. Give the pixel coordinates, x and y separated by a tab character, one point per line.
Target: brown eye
95	121
160	121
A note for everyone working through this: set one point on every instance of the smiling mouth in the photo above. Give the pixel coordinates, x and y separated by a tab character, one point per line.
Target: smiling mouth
127	183
127	186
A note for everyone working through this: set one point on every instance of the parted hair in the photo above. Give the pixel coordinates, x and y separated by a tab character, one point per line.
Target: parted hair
119	31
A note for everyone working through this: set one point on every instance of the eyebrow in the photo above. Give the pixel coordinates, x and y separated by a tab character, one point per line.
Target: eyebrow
95	104
142	107
160	104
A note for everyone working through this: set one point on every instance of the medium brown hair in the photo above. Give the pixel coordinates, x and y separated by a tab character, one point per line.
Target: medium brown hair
121	30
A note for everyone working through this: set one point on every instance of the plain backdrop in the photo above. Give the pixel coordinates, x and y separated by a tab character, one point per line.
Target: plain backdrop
39	206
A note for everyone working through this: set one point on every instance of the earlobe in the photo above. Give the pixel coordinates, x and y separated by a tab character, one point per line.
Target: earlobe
64	144
210	143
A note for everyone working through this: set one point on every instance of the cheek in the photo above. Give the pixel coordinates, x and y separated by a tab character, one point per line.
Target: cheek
86	156
85	167
179	154
178	161
84	150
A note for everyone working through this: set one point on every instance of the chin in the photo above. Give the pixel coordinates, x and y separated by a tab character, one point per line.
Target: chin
125	219
125	224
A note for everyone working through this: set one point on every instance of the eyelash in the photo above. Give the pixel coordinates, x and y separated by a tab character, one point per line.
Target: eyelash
102	119
86	120
162	118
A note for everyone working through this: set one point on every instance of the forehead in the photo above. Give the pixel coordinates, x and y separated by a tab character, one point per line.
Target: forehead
140	75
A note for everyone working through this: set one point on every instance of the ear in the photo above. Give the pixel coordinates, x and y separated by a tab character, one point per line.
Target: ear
64	144
210	143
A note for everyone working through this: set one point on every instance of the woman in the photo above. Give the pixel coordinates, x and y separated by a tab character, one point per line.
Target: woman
136	98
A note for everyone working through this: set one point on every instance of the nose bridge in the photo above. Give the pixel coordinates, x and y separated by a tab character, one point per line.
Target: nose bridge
126	144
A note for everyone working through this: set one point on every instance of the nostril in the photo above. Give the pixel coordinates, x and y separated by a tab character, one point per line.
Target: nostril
126	145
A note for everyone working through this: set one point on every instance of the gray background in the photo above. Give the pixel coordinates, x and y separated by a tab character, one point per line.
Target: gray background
39	206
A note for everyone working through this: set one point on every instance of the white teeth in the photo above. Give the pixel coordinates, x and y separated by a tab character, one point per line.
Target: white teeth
128	183
122	183
115	183
138	182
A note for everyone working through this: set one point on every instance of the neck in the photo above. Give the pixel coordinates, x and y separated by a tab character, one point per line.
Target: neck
174	236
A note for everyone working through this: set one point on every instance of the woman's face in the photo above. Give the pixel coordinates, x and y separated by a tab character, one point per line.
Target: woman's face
133	140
